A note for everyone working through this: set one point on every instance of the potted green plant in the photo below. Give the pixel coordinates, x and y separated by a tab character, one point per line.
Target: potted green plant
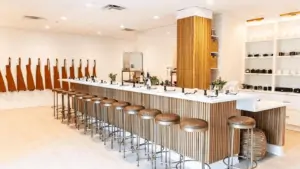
112	77
154	80
218	84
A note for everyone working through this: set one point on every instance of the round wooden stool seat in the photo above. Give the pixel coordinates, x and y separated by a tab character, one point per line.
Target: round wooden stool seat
108	102
98	100
72	94
67	91
134	109
87	97
167	119
80	95
241	122
193	125
57	90
120	105
148	114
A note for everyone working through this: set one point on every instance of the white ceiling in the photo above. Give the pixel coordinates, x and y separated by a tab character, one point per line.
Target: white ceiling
138	15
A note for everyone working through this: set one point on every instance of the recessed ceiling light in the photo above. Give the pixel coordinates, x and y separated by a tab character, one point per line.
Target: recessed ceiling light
210	2
122	26
63	18
155	17
88	5
47	27
99	33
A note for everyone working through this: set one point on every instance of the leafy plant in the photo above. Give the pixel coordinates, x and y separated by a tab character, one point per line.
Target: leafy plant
112	77
154	80
219	83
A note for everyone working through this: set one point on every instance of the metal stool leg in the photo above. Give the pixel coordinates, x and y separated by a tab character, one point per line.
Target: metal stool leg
85	116
54	107
124	135
69	109
63	107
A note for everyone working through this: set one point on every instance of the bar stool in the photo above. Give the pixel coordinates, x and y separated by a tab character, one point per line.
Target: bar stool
77	106
147	115
71	108
106	104
119	106
86	99
63	93
240	123
166	120
56	107
192	125
96	104
131	111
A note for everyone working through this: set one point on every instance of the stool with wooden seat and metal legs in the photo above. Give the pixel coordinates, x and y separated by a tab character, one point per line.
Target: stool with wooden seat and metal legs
64	107
147	115
241	123
166	120
131	111
96	114
119	107
56	107
71	105
86	112
107	123
78	109
193	125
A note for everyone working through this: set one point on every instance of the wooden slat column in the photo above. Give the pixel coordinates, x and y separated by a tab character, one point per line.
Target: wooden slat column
193	48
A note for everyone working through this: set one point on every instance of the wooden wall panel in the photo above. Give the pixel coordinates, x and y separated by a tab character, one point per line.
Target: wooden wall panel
272	122
193	52
185	52
202	52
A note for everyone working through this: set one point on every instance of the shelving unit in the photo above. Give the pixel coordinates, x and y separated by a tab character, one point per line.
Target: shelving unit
272	38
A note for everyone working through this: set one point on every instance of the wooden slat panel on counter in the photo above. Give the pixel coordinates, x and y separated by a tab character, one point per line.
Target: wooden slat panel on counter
188	144
272	122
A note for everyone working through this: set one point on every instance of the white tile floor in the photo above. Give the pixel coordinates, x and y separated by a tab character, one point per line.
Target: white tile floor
32	139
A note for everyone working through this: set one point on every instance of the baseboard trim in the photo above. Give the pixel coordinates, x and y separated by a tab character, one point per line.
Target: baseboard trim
275	149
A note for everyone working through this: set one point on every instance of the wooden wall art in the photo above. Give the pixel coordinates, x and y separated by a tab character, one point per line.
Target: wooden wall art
2	84
11	86
79	69
86	70
72	73
56	75
20	79
48	81
30	81
64	75
38	76
94	69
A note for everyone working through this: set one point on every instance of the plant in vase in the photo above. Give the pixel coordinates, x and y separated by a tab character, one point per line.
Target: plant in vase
218	84
154	80
112	77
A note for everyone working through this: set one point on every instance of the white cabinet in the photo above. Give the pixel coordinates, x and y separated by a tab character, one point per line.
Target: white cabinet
293	107
293	117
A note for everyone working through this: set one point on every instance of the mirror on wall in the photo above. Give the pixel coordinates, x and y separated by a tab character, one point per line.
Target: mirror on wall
133	61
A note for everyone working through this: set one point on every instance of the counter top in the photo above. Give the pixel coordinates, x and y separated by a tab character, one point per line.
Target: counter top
158	90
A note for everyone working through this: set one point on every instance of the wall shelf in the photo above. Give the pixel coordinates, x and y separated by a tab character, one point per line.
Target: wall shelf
258	74
273	38
266	57
289	75
259	41
288	57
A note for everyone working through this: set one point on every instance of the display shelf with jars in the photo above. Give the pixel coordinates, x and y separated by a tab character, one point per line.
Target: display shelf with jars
273	46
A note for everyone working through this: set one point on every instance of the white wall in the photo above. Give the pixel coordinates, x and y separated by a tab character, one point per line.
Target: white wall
159	47
232	34
16	43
